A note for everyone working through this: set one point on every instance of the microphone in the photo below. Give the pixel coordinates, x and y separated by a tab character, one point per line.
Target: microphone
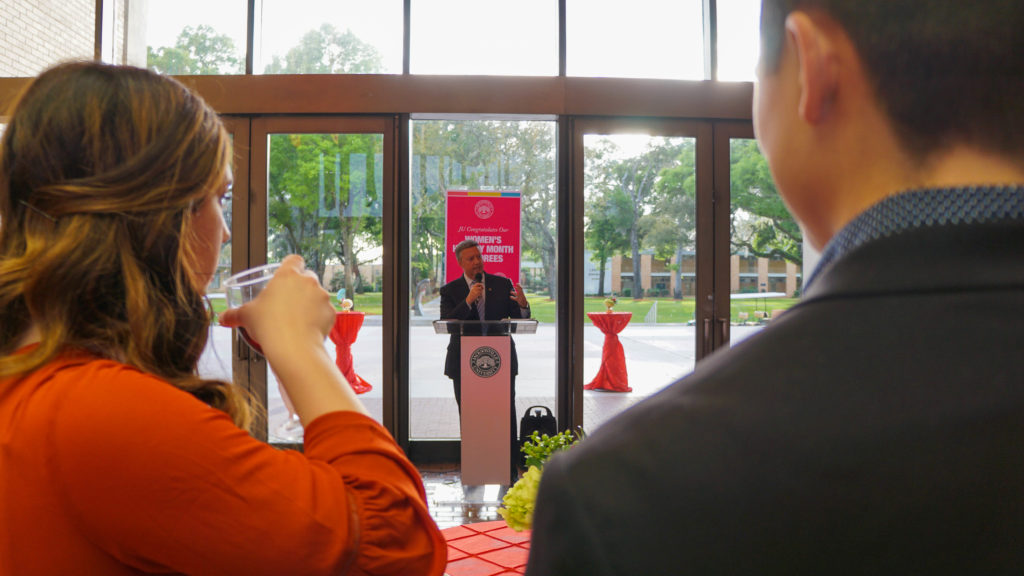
478	278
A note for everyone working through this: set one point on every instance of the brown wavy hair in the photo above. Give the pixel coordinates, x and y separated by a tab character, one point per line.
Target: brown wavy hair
102	169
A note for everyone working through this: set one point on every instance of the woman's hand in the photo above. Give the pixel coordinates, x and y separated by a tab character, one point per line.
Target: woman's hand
293	308
290	319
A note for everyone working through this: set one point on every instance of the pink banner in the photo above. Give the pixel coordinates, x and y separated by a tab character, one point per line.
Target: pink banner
490	218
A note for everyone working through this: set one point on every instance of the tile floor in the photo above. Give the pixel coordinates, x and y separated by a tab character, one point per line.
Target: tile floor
452	504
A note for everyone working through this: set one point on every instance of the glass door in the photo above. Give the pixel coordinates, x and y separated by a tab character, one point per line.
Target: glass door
512	158
219	359
645	294
321	188
765	244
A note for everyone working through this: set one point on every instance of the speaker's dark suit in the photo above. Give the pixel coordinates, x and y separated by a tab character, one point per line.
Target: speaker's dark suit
498	305
875	428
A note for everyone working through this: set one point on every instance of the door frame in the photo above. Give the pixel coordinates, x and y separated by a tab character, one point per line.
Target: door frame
724	132
570	391
252	206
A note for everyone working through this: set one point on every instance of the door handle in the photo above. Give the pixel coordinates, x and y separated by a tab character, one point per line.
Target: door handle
723	326
707	336
723	333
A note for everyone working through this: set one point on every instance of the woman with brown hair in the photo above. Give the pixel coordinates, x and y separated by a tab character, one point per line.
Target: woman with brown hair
116	457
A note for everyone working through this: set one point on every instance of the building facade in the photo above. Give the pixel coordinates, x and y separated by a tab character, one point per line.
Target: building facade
658	276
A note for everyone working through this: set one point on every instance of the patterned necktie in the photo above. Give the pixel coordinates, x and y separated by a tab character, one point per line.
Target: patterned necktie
480	307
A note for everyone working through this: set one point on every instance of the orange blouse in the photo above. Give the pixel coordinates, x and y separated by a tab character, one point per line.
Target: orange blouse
107	470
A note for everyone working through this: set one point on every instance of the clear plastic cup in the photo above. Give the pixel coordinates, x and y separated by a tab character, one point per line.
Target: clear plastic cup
245	286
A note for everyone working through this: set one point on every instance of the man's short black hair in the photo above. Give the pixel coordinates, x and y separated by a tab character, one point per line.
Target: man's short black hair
946	72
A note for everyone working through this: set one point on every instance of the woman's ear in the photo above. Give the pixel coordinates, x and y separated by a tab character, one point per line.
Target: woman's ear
817	65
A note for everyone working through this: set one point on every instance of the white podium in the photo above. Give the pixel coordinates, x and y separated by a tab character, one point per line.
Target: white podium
486	374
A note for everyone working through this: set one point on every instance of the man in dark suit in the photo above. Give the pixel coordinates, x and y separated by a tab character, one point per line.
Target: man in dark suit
877	427
464	298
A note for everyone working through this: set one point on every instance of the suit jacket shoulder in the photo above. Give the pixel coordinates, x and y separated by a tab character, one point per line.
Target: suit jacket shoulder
847	436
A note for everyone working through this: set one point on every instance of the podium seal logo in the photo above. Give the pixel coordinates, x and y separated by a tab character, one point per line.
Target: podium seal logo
484	209
485	362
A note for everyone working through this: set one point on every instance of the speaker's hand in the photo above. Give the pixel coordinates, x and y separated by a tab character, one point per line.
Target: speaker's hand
475	292
520	297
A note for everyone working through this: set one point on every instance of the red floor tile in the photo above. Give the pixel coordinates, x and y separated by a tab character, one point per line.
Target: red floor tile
486	549
455	554
473	566
513	557
477	544
457	532
511	536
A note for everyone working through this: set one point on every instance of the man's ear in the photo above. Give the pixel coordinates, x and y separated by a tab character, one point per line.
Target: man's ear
817	66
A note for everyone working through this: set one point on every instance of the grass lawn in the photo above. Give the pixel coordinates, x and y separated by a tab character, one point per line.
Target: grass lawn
368	302
670	311
754	307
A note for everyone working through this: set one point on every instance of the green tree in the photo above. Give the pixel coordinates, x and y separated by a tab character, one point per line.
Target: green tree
198	50
432	172
759	220
324	200
325	50
529	156
607	211
606	229
636	178
671	226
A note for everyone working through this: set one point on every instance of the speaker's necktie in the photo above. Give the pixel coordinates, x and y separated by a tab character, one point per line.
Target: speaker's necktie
480	311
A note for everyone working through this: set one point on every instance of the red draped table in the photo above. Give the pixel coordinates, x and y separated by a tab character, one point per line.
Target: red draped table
343	334
486	549
612	374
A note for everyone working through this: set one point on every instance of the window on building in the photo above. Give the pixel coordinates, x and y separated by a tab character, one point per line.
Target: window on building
738	39
495	38
328	37
192	36
638	39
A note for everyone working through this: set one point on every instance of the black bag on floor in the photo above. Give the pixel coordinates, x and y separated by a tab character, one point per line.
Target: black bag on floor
535	420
